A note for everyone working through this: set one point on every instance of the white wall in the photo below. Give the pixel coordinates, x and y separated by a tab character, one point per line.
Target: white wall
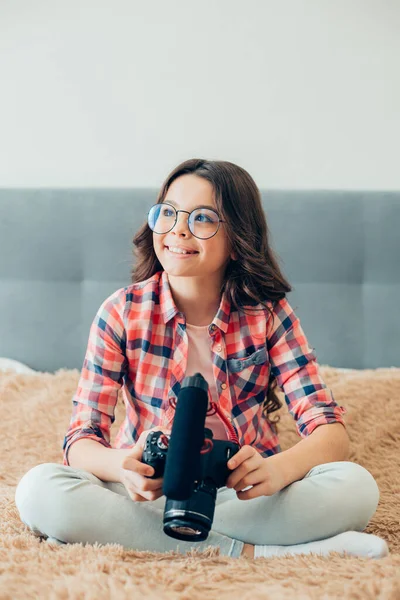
302	94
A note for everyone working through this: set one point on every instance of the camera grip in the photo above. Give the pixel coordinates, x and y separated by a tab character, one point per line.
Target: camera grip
155	453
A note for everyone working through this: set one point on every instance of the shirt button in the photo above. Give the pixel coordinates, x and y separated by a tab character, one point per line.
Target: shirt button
223	386
218	348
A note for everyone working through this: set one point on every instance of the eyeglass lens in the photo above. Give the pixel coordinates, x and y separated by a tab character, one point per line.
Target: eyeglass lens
203	222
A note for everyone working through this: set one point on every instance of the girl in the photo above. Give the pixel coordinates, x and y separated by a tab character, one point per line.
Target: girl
207	296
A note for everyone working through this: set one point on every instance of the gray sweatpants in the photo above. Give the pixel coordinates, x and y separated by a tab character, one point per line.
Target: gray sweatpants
74	506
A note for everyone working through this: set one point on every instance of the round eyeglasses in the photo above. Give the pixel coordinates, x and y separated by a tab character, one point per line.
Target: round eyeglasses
203	222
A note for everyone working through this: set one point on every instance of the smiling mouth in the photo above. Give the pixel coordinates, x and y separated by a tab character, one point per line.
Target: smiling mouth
191	253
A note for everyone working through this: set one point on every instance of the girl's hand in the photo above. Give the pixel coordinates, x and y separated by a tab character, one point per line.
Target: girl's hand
250	468
134	473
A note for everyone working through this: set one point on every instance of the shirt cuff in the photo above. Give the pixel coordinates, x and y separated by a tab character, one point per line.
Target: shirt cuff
312	419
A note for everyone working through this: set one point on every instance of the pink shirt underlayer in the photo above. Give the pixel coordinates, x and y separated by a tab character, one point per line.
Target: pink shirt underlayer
199	361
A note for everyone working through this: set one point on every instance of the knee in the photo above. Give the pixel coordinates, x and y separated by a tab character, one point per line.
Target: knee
33	484
362	494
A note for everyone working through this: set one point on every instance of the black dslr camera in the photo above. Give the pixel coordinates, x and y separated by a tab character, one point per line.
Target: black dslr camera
193	464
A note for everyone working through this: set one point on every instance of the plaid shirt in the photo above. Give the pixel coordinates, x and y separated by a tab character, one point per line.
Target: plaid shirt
138	340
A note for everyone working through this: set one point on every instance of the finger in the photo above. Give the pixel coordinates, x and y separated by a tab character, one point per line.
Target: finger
137	453
244	453
250	465
134	457
143	496
151	485
132	464
138	498
252	478
253	492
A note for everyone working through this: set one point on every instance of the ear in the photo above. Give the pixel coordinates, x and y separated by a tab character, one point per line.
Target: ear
234	256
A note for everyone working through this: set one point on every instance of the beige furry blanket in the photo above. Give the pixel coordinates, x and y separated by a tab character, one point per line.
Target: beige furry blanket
35	412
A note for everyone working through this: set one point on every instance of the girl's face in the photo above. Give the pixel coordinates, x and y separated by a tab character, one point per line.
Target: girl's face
188	192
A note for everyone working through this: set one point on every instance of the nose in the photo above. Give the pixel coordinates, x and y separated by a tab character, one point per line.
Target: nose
182	224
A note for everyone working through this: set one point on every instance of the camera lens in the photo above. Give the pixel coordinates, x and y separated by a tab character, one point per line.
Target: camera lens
186	531
190	520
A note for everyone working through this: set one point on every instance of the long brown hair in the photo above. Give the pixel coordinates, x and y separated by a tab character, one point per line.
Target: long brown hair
255	277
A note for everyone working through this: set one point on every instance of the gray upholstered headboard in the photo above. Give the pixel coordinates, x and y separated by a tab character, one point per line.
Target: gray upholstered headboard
62	252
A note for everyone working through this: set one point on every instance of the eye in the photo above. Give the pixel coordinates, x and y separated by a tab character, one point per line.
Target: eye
167	212
199	217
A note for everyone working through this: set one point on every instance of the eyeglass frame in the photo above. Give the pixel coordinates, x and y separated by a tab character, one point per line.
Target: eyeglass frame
187	212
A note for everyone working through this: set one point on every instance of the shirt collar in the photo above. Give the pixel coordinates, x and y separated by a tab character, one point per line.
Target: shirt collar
169	308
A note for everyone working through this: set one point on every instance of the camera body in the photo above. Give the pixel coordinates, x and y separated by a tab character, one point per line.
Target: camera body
213	464
193	483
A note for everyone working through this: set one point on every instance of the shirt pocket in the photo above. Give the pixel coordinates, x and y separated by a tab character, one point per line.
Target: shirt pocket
248	375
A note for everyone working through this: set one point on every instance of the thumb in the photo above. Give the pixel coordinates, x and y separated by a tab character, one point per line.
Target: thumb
136	452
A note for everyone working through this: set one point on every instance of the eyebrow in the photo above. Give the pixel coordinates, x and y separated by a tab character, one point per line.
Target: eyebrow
201	206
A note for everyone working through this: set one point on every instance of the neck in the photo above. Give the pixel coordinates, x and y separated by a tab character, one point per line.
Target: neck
197	297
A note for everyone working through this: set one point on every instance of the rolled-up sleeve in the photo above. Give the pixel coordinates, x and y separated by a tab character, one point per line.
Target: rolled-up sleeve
294	366
103	370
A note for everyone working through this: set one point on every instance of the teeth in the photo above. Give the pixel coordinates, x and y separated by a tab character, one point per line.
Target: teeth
178	251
